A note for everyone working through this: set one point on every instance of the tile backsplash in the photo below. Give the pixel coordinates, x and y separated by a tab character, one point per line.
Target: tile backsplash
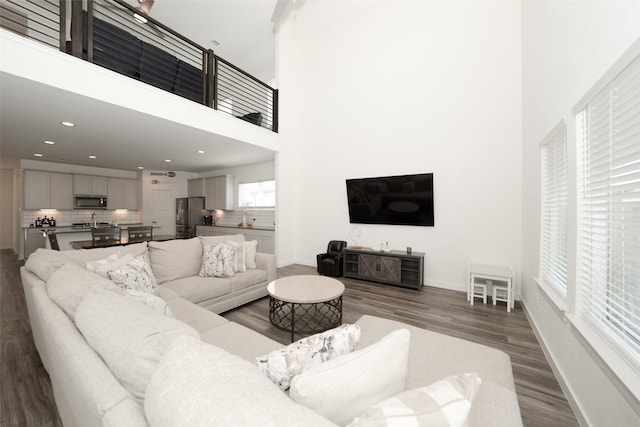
256	217
68	217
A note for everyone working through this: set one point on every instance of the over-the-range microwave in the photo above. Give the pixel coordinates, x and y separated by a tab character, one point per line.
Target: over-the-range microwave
90	202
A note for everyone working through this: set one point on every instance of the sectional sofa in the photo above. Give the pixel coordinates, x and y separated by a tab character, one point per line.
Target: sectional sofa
127	358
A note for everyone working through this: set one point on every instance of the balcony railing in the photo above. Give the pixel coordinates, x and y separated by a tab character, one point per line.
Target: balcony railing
106	33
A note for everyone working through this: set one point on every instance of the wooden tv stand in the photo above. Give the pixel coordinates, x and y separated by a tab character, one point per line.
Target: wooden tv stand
390	267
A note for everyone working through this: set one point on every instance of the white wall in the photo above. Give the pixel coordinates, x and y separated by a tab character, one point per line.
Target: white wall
390	88
567	47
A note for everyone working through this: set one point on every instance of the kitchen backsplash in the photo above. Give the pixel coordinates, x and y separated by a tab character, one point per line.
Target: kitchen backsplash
256	217
68	217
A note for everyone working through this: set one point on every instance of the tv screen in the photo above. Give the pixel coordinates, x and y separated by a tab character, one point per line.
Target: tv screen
395	200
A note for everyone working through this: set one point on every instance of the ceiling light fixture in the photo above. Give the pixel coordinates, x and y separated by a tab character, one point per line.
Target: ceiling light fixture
50	142
92	157
38	155
168	161
67	124
140	167
200	151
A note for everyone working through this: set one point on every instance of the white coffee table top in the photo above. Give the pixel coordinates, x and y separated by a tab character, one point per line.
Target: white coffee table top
305	289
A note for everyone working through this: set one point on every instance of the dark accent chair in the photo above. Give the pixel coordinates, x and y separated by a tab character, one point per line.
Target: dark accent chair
330	263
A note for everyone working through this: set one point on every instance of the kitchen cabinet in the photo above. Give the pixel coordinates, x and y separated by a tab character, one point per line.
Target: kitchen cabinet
266	238
47	190
122	193
196	188
219	192
89	185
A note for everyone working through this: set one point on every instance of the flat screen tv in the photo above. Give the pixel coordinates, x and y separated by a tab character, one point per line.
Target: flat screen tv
395	200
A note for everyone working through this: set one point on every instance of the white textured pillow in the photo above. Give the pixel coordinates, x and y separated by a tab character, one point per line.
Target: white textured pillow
250	249
344	387
103	268
92	265
197	384
175	259
280	366
155	302
217	260
135	275
68	285
445	403
238	265
130	337
44	262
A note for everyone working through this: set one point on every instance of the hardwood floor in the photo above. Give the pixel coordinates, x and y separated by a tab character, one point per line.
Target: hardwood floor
27	400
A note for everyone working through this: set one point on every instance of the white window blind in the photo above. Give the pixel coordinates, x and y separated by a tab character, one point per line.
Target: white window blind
260	194
553	216
609	213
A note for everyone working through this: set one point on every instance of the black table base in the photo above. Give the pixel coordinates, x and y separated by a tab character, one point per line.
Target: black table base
305	318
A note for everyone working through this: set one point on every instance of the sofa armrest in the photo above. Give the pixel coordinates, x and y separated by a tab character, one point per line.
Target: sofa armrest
267	262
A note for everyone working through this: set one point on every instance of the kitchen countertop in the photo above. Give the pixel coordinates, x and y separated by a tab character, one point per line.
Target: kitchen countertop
255	227
77	228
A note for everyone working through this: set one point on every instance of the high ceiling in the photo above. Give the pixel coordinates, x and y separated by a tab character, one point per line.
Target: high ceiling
31	112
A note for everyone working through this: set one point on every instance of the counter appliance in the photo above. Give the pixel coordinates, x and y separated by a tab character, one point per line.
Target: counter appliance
189	213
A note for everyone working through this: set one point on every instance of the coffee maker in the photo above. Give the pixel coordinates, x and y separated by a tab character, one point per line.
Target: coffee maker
208	219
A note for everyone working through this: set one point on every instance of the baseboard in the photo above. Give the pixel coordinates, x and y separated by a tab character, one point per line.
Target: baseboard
556	371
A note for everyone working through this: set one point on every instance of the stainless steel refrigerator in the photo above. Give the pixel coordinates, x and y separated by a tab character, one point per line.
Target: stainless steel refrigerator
189	213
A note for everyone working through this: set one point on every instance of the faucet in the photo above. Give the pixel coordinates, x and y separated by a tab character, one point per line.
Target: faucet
93	219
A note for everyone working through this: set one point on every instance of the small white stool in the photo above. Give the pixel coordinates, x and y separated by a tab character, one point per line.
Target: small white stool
477	290
501	293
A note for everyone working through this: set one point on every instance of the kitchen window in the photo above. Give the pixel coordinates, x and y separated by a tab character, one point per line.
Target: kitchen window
260	194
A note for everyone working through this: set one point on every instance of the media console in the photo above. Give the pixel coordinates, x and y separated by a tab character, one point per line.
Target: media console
390	267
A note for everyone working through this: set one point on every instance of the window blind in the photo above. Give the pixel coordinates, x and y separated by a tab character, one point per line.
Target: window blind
553	234
609	212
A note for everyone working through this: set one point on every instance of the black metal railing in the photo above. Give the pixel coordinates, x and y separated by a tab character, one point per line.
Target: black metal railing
106	33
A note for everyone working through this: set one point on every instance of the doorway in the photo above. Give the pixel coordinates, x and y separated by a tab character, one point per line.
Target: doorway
163	210
6	209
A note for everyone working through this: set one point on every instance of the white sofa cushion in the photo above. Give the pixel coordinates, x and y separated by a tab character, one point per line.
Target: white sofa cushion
344	387
175	259
84	256
44	262
282	365
445	403
129	336
69	284
197	384
250	249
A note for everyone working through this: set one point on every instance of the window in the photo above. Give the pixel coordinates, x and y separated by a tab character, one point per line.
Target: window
260	194
608	282
553	234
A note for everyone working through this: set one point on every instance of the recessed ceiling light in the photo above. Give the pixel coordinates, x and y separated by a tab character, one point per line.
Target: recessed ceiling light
168	161
68	124
92	157
200	151
50	142
140	167
37	155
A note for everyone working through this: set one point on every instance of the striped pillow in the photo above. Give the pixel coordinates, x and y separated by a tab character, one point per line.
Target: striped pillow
445	403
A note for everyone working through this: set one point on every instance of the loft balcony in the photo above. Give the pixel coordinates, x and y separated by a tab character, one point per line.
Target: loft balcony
106	33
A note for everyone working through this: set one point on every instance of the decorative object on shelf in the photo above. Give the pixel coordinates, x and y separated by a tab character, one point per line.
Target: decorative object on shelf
356	234
409	250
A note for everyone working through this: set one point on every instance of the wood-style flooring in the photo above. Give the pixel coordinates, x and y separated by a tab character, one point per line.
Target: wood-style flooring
26	398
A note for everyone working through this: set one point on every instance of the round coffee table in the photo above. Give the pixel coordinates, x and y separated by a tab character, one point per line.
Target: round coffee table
305	304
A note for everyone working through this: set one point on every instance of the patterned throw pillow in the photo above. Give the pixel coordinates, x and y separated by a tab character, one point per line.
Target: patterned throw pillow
136	275
284	364
445	403
218	260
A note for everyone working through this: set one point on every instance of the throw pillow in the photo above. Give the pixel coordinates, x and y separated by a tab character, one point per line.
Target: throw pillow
250	249
136	275
217	260
198	384
282	365
102	268
155	302
445	403
344	387
175	259
238	264
44	262
130	337
69	284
